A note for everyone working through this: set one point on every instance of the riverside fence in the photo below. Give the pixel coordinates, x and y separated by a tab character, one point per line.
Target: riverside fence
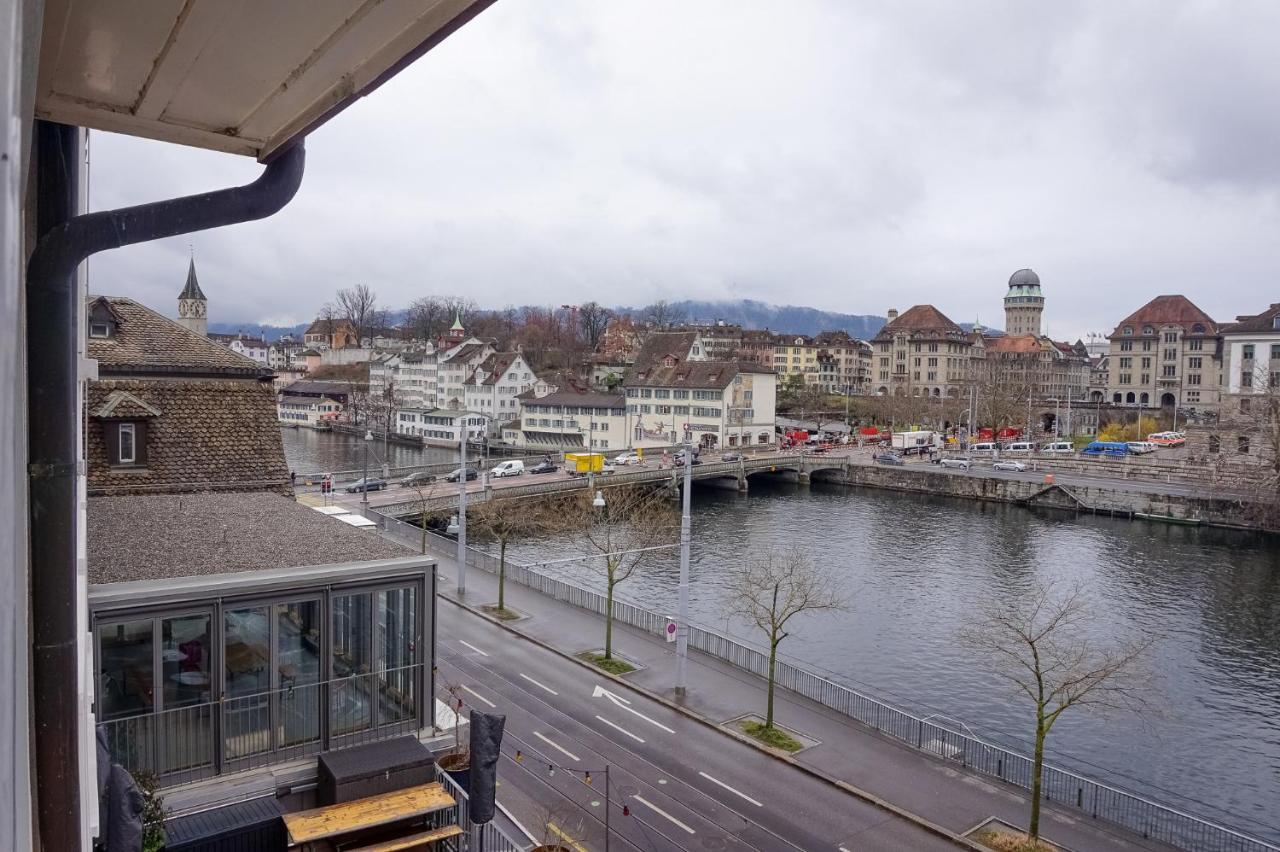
1150	819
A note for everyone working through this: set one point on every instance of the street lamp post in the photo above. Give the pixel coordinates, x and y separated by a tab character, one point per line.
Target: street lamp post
364	484
682	626
462	510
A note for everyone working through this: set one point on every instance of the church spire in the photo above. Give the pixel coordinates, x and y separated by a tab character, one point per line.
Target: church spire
193	307
192	290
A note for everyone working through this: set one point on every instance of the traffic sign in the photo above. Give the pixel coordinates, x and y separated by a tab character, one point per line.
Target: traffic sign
671	630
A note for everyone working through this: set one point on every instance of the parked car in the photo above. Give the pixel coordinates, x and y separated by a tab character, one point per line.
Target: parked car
960	464
1167	439
472	473
1141	448
1062	447
366	485
1021	447
679	457
544	466
887	458
419	478
1010	465
731	457
511	467
985	448
627	458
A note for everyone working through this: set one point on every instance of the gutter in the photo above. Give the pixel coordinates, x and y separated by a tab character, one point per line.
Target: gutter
53	309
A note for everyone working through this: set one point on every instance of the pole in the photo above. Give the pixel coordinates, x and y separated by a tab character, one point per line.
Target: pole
364	485
462	511
606	807
682	627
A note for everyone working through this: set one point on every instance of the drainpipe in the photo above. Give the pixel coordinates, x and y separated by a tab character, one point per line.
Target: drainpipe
52	380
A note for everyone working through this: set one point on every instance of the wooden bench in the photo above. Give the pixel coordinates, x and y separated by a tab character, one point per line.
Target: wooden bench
307	827
413	842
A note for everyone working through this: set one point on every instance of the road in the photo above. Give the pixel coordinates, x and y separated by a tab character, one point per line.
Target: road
686	786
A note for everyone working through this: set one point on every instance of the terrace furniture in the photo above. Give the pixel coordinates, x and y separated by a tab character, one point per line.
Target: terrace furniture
378	767
348	818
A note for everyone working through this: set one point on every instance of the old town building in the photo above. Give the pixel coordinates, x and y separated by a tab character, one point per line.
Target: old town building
1166	354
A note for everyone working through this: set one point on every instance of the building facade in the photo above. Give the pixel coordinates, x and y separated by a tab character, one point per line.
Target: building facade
1251	360
921	353
570	420
442	427
1023	304
495	385
1166	354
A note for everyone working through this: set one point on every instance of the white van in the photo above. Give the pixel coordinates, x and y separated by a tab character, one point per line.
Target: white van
986	447
1141	448
514	467
1065	447
1021	447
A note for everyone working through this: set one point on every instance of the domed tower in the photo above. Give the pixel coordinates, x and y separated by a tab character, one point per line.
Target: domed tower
193	307
1023	304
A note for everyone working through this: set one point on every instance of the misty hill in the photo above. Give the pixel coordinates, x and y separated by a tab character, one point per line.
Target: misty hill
748	313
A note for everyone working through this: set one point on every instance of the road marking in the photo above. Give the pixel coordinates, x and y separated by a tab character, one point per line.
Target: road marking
556	746
730	789
842	849
642	800
473	647
620	728
625	705
559	832
539	685
478	695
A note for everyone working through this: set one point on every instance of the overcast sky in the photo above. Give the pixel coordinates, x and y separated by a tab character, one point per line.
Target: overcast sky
852	156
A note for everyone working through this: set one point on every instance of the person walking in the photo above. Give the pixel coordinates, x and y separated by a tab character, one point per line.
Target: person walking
293	479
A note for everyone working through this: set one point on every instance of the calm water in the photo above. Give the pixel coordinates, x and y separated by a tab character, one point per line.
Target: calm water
915	567
309	451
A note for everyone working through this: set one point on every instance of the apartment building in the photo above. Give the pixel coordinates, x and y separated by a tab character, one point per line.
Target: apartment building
1166	354
1250	360
455	366
921	353
844	362
570	419
495	385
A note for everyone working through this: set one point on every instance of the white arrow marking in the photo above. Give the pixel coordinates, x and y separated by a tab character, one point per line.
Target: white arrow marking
619	728
479	696
730	789
472	647
625	705
539	685
557	747
642	800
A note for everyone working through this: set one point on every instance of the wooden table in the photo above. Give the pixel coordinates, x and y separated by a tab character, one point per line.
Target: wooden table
337	820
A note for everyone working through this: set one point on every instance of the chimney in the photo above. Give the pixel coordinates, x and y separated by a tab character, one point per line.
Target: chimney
893	314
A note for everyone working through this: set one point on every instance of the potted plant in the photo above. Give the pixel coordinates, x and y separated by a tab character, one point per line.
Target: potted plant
456	763
562	830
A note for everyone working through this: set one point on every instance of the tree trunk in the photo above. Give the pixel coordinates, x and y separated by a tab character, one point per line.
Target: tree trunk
502	574
1037	771
608	622
773	659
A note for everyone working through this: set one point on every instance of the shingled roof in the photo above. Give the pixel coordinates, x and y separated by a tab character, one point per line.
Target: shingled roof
1263	322
691	374
1167	310
192	290
919	319
658	347
146	342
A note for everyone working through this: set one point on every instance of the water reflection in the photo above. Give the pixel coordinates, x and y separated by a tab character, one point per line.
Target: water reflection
309	451
916	566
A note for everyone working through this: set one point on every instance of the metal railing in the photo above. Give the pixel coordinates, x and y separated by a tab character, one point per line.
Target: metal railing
1130	810
487	837
265	728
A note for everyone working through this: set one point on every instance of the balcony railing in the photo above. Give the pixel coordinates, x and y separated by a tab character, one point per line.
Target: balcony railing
249	731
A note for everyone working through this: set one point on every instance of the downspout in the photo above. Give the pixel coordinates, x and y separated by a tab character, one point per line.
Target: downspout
52	378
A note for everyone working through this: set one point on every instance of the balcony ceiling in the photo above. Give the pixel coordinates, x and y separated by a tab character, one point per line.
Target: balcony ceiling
243	76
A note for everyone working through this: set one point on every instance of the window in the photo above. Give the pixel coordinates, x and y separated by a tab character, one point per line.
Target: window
1148	330
1195	345
1146	346
1126	345
1126	363
1169	371
1128	331
1246	379
1171	354
1194	363
1215	444
1244	406
99	329
1170	337
126	443
1275	352
1246	352
1193	378
1242	445
1126	378
1146	379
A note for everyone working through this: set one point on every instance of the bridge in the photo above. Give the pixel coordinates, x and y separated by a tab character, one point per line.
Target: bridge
734	474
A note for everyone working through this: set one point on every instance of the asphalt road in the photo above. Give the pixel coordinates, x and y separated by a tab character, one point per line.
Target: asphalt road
687	786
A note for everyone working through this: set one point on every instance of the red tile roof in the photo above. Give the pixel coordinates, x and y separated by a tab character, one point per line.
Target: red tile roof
1265	321
921	318
1167	310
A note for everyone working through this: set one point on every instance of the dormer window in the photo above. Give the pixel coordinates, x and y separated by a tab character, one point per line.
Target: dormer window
1128	331
126	443
99	329
1275	322
1148	330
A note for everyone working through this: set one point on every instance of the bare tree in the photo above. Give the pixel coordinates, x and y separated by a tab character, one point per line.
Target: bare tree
775	586
503	520
358	305
623	534
1042	645
661	314
593	319
1003	389
428	318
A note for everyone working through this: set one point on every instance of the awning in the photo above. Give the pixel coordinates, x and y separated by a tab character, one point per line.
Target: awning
243	76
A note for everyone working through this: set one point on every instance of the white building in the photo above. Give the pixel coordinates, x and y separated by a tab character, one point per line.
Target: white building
440	427
247	345
1250	359
306	410
456	365
496	383
570	420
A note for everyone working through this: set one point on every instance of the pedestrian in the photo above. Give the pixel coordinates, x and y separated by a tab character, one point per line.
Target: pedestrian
293	479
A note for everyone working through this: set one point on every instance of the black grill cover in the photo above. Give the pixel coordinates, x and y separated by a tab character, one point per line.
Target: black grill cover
486	745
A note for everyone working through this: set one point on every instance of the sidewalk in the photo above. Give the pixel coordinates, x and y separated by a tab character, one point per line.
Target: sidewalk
930	787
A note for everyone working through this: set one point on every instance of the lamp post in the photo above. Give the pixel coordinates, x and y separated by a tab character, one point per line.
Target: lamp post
364	484
682	626
462	509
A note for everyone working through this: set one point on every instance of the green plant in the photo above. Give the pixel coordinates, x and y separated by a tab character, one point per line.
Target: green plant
610	664
771	735
153	811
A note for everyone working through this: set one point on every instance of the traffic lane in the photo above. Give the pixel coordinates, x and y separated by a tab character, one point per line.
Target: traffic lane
555	756
727	771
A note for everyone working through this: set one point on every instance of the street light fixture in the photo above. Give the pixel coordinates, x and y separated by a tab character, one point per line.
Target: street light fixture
364	484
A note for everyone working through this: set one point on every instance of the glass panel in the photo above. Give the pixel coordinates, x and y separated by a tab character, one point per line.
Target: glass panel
126	697
298	669
395	646
247	663
352	708
186	721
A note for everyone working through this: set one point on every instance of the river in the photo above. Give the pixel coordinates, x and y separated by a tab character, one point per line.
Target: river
914	568
309	451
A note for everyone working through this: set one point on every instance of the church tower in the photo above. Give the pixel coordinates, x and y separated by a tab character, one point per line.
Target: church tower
193	307
1023	304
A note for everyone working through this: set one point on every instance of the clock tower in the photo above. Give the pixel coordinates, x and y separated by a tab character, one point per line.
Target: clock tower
193	307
